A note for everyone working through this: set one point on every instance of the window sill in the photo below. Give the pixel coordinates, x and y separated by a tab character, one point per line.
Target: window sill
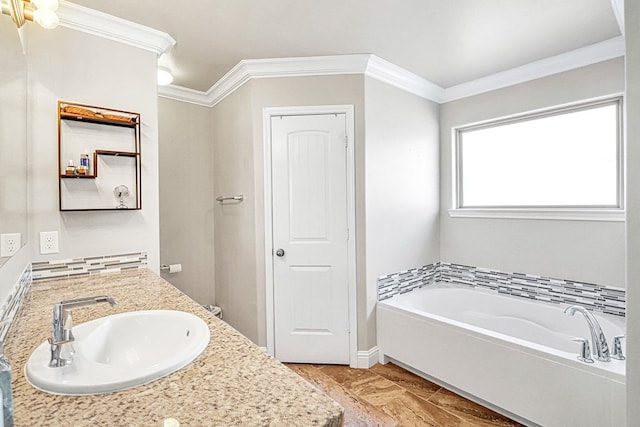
618	215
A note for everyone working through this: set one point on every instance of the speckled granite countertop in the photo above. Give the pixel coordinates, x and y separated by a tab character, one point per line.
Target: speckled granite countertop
232	383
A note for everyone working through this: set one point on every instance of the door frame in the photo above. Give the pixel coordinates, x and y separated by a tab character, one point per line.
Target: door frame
267	114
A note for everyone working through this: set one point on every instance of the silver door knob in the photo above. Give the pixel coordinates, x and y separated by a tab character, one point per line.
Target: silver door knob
280	252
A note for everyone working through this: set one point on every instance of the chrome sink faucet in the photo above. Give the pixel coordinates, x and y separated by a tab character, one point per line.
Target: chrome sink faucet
599	346
61	328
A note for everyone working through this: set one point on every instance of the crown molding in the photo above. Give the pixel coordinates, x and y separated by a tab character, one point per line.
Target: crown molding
379	69
110	27
384	71
588	55
285	67
618	11
91	21
184	94
246	70
394	75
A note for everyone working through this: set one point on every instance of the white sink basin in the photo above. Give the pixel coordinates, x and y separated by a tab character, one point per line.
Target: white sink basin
121	351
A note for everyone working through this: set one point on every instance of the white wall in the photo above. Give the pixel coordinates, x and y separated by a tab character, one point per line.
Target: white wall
589	251
632	25
67	65
13	151
187	197
235	234
396	178
239	169
13	132
304	91
402	186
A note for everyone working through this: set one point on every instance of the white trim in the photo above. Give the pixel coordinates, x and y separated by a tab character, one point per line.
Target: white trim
394	75
91	21
351	224
268	235
110	27
285	67
367	358
570	213
384	71
306	66
249	69
618	11
267	113
184	94
366	64
228	84
610	97
598	52
618	215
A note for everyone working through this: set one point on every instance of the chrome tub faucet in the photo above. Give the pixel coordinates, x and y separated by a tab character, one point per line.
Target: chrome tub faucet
61	328
599	346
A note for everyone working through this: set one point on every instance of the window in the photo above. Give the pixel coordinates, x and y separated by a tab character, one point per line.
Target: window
559	160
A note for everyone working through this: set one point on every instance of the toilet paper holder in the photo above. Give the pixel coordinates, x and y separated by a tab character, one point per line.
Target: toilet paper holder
171	268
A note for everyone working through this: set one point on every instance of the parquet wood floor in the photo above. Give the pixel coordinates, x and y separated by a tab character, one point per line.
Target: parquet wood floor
387	395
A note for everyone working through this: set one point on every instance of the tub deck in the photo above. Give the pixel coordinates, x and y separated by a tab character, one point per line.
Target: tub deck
531	382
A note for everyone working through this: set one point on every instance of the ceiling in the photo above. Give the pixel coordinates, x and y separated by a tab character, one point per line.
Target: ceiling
447	42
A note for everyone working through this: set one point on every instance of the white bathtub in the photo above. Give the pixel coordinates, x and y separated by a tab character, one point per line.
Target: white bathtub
511	354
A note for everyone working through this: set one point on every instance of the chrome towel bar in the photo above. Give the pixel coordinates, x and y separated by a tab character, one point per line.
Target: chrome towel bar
222	199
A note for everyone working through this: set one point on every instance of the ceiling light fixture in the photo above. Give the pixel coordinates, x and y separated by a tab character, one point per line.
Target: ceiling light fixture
41	11
164	76
21	11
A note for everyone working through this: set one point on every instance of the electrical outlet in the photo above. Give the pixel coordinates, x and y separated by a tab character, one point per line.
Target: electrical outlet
49	242
10	243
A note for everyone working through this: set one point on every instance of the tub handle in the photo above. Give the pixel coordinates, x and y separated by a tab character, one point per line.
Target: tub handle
585	350
617	348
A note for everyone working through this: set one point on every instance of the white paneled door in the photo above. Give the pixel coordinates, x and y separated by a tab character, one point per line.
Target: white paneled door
310	236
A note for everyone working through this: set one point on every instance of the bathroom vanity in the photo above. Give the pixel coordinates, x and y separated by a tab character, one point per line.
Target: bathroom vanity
233	382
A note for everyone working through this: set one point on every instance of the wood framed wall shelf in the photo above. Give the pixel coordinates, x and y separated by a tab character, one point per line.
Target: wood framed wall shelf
109	141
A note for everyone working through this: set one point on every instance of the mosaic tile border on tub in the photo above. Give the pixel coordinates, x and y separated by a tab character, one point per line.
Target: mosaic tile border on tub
46	270
599	298
407	280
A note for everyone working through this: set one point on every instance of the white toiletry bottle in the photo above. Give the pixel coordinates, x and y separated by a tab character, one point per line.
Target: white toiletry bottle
5	389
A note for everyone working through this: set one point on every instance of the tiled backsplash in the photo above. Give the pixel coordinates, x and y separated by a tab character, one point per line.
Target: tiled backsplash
604	299
11	304
46	270
64	269
408	280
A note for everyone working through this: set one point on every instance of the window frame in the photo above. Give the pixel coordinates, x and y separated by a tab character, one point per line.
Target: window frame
562	212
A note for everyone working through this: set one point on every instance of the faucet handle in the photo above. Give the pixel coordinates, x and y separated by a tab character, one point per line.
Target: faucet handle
585	350
62	328
617	347
67	325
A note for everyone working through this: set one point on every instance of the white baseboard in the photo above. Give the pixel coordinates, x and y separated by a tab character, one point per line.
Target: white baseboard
365	359
368	358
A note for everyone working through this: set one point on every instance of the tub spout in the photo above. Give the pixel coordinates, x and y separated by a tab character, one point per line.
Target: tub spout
599	346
